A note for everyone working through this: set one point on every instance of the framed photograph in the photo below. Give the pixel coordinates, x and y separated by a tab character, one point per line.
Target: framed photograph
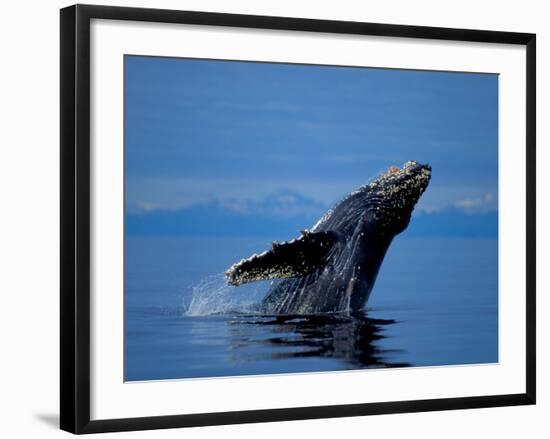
274	218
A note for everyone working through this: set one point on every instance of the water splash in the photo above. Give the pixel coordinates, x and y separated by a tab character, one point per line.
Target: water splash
212	295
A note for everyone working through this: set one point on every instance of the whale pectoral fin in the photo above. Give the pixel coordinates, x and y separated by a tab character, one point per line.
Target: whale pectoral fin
286	259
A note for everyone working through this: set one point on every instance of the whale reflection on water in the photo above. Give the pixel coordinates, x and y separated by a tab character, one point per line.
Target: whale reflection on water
348	337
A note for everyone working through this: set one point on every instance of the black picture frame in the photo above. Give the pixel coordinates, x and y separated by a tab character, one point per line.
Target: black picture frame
75	217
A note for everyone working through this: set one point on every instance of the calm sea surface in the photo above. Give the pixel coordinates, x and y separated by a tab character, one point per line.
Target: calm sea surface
435	303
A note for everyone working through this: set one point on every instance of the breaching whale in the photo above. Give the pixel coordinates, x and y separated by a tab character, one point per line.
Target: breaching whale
333	266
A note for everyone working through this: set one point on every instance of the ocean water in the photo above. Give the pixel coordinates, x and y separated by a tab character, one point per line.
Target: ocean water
435	303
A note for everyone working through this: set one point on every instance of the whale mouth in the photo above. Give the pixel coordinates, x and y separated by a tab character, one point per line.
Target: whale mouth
412	166
420	174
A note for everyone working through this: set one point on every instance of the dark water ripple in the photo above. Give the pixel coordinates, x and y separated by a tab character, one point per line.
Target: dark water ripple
348	337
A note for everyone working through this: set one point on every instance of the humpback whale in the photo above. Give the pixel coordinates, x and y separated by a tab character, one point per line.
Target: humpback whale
332	267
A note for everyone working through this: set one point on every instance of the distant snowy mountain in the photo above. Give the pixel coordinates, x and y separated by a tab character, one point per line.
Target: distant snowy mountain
282	214
281	204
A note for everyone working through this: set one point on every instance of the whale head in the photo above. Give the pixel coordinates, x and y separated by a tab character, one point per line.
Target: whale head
393	195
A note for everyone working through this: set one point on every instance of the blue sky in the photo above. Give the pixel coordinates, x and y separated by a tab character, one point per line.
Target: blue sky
237	133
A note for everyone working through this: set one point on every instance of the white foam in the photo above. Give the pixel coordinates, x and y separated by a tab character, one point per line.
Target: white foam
212	295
